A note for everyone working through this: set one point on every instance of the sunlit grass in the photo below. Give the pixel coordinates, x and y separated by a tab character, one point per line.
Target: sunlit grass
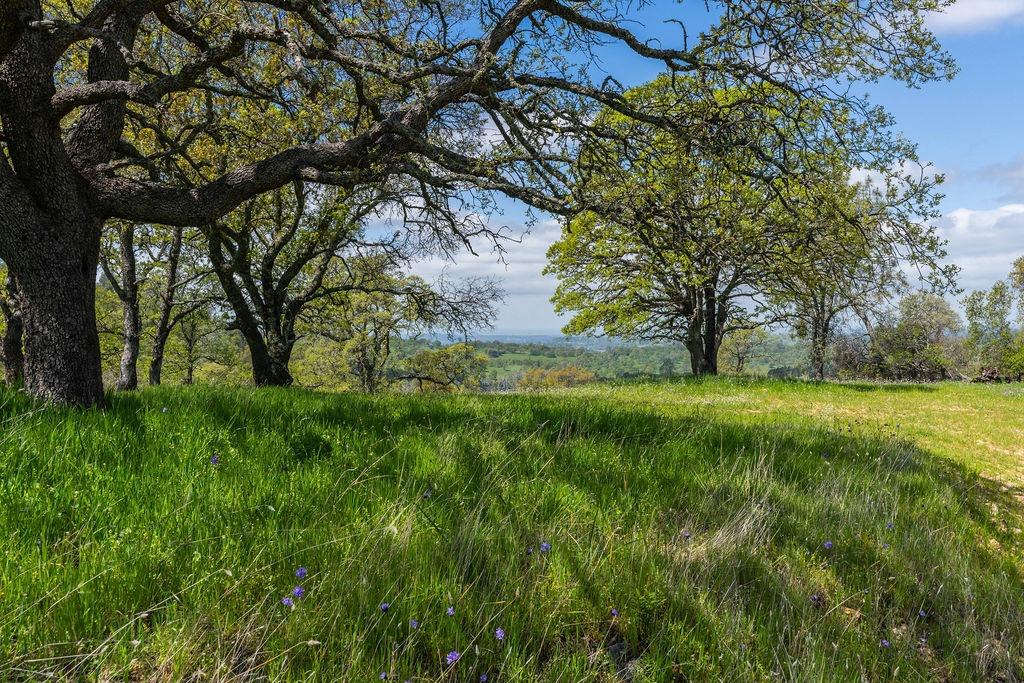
699	512
980	426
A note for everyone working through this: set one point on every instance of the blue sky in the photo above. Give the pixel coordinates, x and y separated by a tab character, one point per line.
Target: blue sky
971	129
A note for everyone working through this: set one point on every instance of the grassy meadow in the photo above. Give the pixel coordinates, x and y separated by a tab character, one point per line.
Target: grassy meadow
690	531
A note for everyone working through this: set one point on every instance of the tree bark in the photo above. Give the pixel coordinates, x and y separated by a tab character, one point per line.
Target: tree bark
49	231
711	334
156	362
704	333
164	324
821	334
695	345
270	364
62	347
128	379
817	356
269	350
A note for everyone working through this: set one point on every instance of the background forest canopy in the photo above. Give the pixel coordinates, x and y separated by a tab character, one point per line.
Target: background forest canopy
238	180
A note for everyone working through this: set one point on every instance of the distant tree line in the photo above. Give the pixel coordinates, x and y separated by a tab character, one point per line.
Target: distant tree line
923	338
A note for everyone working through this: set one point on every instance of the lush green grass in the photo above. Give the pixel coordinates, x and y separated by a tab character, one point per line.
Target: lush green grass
699	511
980	426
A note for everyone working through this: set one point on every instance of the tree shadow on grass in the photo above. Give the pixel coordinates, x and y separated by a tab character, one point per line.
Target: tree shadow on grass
627	469
883	387
795	460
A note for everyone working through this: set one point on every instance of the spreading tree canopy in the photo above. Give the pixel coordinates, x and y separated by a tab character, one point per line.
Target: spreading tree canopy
708	235
121	108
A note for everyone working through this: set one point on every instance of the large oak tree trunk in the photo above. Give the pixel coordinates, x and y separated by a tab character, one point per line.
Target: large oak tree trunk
49	232
270	366
703	335
817	358
62	347
696	348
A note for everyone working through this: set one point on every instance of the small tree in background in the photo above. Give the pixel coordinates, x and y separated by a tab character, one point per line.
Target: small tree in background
921	341
742	347
990	337
445	370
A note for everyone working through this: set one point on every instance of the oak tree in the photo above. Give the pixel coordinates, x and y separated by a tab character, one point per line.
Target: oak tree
110	109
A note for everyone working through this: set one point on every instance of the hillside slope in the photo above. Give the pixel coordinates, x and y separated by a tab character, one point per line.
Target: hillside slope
608	534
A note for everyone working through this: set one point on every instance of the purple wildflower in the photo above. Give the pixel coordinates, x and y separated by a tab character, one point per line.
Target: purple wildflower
453	657
383	675
385	606
298	591
827	545
817	600
890	526
287	601
615	613
921	613
450	611
214	459
499	633
885	643
414	624
545	547
301	573
686	535
483	678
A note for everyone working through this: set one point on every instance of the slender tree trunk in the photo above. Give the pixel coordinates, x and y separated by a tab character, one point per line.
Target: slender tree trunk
711	334
13	352
703	335
270	355
163	325
695	345
819	342
710	331
817	357
128	379
156	361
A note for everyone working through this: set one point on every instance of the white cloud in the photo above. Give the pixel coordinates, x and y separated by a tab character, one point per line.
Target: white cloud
527	302
975	15
984	243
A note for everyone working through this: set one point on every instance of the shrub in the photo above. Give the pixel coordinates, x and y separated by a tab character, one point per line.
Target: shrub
555	378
